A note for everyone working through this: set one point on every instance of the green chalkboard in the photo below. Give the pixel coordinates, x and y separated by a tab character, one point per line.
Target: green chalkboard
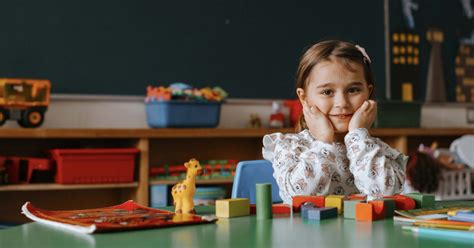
250	48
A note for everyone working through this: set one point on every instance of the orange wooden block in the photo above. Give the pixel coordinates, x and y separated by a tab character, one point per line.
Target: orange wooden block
403	202
365	212
281	208
318	201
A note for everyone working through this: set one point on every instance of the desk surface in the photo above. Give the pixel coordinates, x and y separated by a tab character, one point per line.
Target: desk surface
281	231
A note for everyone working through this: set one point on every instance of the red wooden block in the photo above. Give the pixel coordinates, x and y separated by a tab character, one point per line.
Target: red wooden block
318	201
403	202
276	209
378	209
281	209
357	197
253	209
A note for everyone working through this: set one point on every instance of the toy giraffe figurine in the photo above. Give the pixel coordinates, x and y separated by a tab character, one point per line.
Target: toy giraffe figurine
183	192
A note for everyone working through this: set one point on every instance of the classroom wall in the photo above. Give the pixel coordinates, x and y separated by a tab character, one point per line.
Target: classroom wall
99	111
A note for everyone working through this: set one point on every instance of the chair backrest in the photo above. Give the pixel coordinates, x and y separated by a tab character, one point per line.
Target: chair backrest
248	174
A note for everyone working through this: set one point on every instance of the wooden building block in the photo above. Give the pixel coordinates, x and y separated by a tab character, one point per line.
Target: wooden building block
253	209
357	197
228	208
350	209
335	201
378	209
322	213
281	208
389	207
402	202
298	200
364	212
422	200
304	209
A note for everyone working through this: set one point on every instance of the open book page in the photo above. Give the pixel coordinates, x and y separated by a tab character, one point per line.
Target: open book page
420	212
126	216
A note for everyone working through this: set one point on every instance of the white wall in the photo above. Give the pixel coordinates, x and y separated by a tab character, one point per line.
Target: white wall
96	111
86	111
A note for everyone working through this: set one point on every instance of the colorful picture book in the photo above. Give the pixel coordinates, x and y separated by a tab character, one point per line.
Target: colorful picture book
126	216
439	220
418	213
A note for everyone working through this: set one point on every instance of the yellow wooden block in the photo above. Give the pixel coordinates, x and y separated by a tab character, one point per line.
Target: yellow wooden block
336	201
228	208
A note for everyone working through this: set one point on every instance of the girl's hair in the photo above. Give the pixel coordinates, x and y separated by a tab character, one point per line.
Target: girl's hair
345	52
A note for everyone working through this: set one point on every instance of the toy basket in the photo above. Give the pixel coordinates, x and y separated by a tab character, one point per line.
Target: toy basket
85	166
456	185
183	114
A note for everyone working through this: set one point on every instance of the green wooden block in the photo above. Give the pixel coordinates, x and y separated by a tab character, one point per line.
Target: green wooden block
264	200
389	205
422	200
349	208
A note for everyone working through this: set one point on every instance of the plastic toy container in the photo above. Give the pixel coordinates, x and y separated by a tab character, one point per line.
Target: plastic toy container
398	114
176	113
85	166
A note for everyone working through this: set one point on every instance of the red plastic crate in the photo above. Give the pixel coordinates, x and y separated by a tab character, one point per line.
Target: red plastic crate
83	166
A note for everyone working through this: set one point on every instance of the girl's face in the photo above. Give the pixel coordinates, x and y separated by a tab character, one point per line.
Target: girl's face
337	91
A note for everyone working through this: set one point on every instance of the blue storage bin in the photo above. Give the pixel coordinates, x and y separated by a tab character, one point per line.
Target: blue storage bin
176	113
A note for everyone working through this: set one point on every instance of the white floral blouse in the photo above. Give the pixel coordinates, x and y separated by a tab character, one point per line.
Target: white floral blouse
305	166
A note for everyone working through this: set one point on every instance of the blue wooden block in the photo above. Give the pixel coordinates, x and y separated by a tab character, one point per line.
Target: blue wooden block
304	209
322	213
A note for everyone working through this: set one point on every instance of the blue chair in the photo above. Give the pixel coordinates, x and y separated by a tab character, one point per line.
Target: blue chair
248	174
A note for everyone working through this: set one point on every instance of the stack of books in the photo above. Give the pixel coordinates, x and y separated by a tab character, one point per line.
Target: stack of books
455	222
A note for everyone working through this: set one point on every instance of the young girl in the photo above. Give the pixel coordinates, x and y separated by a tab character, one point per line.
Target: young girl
333	152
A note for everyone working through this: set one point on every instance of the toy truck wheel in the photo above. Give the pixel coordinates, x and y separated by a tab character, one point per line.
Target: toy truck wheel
32	118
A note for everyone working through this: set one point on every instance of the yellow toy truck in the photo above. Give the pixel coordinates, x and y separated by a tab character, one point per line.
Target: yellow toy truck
24	100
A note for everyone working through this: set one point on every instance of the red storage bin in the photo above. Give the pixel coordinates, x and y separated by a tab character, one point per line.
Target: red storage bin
83	166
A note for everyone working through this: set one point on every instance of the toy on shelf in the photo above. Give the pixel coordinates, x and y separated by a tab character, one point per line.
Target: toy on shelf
24	100
185	92
212	169
27	170
296	110
277	118
183	192
181	105
255	121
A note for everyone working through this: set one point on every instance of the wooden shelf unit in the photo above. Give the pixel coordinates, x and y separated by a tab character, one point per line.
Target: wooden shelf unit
200	182
157	147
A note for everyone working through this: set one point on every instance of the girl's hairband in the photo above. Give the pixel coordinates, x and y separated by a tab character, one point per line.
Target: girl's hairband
364	53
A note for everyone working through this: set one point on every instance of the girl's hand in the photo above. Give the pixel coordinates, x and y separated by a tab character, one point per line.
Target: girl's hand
318	124
364	116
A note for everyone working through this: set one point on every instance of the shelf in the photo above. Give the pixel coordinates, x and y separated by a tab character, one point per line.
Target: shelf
55	186
164	133
201	182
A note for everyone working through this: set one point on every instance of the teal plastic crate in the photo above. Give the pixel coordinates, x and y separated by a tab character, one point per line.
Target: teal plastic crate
176	113
398	114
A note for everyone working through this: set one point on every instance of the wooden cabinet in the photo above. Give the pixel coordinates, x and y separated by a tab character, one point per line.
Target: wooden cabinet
157	146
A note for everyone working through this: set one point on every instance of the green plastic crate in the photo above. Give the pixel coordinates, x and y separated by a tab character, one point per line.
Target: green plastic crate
397	114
